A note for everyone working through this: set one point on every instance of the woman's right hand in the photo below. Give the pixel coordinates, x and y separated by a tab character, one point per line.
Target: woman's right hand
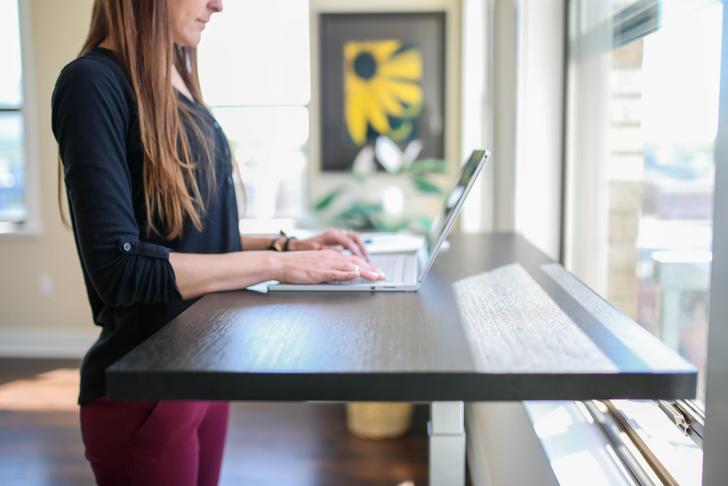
319	266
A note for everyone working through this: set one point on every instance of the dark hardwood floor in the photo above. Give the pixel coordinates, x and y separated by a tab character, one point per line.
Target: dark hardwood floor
268	443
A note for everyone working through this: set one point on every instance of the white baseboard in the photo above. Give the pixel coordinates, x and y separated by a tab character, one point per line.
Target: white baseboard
46	342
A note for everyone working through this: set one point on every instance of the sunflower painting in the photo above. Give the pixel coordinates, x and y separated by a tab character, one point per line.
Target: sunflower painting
381	88
381	74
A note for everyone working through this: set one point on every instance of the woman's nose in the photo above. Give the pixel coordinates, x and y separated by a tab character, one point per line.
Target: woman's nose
215	5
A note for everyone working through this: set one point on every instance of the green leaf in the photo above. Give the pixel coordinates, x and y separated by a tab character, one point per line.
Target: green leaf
427	166
423	185
326	201
395	226
421	224
360	216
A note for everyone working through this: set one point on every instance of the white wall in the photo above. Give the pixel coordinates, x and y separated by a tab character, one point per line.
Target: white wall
477	130
527	117
539	123
586	236
505	71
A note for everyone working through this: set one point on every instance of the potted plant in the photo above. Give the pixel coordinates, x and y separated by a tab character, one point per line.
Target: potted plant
365	204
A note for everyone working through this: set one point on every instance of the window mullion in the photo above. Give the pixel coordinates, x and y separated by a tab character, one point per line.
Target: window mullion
694	417
627	452
638	20
654	462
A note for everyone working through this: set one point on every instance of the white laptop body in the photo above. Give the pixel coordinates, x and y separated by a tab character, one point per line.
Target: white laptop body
406	271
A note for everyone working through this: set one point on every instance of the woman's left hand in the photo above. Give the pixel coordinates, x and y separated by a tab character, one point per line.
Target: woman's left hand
333	238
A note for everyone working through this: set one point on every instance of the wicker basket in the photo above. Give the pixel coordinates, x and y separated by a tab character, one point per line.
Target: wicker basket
379	420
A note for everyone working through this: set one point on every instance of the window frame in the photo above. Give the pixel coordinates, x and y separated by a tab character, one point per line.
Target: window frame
715	467
32	226
633	22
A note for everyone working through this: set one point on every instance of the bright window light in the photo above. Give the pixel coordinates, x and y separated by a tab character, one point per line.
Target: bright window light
255	74
12	157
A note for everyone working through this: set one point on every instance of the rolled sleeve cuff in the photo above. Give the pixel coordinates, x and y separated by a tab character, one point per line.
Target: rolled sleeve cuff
131	247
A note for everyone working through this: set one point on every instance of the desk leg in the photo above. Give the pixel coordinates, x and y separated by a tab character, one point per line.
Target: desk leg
447	443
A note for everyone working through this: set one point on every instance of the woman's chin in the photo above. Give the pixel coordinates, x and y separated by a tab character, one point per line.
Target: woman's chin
191	40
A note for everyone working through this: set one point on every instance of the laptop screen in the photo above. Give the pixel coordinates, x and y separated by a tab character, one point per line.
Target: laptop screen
453	202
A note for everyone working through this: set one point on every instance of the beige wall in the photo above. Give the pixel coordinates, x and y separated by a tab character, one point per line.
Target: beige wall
40	282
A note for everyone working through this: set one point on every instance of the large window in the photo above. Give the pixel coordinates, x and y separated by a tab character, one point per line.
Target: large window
12	160
642	121
646	144
254	70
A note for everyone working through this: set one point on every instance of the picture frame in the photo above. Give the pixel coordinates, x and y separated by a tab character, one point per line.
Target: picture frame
380	73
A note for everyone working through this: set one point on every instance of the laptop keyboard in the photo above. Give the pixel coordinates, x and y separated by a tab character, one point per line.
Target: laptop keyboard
393	267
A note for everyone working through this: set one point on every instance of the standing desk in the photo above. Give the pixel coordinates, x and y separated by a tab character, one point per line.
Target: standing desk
495	320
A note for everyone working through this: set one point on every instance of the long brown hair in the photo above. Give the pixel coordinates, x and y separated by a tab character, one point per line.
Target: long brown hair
140	31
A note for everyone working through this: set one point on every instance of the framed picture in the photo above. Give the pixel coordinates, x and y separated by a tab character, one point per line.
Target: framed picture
380	74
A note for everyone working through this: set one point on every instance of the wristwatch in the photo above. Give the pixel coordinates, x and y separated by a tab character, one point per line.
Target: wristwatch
281	242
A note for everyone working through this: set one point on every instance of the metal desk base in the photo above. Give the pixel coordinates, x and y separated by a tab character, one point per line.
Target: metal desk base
447	443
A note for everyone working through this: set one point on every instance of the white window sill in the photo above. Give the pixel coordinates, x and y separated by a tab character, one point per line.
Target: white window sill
574	445
15	231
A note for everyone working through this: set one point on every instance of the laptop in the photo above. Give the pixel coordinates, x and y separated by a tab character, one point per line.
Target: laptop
407	271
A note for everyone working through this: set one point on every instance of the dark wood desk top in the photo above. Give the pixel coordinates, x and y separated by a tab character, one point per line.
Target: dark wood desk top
495	320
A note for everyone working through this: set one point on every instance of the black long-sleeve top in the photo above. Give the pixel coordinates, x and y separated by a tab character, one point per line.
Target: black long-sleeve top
129	280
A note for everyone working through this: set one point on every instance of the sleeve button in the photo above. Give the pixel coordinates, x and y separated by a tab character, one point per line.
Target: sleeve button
126	246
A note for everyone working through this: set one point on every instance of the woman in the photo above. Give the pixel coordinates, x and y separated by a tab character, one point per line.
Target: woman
149	176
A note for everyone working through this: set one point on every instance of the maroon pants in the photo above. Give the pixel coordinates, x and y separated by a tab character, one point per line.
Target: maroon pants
154	443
